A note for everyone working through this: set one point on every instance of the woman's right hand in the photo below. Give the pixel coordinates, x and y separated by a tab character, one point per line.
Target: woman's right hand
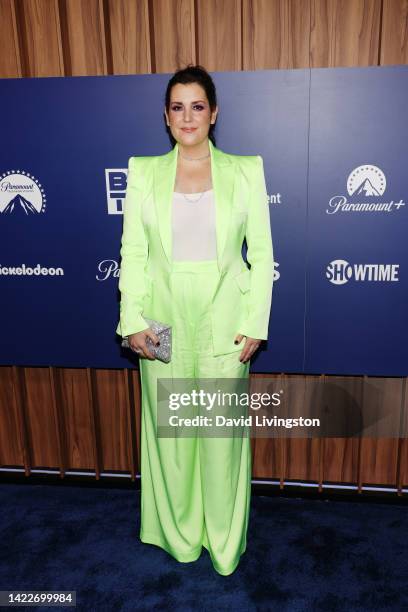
137	342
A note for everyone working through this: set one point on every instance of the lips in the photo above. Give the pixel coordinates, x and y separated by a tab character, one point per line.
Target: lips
189	130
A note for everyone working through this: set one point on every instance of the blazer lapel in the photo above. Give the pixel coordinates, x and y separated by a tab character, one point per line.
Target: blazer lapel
223	174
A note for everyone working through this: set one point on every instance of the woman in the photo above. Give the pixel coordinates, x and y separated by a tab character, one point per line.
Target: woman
186	215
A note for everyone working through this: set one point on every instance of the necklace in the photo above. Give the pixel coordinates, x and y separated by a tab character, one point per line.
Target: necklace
194	199
194	158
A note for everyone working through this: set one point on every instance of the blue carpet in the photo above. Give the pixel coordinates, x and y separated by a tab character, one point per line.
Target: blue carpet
313	555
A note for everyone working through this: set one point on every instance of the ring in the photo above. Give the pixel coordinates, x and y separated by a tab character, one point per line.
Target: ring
137	350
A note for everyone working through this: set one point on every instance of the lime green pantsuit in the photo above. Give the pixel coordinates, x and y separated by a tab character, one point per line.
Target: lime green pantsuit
196	490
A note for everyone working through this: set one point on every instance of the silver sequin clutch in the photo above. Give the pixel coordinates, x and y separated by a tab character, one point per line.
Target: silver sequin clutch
163	331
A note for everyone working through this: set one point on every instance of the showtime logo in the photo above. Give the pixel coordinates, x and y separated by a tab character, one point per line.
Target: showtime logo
340	272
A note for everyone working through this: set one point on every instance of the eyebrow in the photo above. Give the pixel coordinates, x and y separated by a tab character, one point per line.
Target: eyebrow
193	102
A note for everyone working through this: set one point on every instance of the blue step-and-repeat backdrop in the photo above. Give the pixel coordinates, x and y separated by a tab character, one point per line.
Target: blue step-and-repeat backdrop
334	148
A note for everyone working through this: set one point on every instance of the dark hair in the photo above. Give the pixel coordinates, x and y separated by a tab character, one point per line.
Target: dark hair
193	74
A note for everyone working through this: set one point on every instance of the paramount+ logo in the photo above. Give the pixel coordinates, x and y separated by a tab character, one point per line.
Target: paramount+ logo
340	272
365	186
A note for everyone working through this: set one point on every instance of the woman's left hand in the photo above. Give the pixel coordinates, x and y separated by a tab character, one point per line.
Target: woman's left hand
251	345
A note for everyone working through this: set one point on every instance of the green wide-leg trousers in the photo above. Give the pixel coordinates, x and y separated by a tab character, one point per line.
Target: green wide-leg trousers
195	491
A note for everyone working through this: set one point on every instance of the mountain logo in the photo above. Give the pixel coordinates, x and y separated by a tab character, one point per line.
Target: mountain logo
21	194
367	181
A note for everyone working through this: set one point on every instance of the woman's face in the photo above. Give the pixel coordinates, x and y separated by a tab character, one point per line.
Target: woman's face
189	115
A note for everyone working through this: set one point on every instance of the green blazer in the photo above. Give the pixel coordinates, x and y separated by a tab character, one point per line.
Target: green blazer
241	302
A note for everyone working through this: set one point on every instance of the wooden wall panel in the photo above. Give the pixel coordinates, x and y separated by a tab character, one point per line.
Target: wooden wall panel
129	37
267	453
10	61
174	34
39	35
42	423
90	419
340	456
340	460
113	400
78	417
11	442
83	35
403	443
219	44
274	34
344	33
382	402
268	458
301	456
394	32
403	463
378	461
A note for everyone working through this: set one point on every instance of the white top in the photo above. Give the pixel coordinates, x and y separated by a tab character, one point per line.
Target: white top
193	226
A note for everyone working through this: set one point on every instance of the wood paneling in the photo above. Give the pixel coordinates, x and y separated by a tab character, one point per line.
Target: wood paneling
10	60
344	33
173	34
83	33
42	418
11	444
74	419
116	415
79	425
394	32
39	37
128	34
275	34
219	34
383	402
